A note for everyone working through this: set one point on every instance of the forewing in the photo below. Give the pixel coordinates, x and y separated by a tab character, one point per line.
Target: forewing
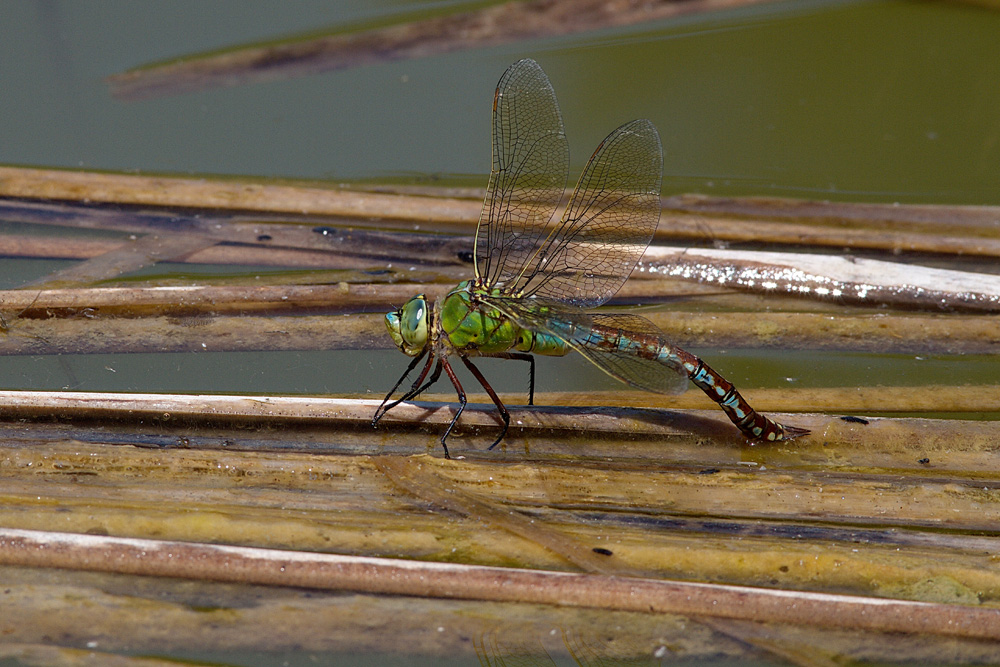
607	226
594	335
530	163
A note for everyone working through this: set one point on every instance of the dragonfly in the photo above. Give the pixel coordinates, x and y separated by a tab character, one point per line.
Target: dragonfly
535	284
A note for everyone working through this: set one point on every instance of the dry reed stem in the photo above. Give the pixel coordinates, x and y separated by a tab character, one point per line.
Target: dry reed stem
134	301
200	193
891	437
130	256
879	399
470	582
836	280
82	329
489	26
333	295
962	230
978	219
840	280
56	248
250	231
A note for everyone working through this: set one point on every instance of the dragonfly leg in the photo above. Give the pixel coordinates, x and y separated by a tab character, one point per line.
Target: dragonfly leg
522	356
462	400
413	391
496	399
416	390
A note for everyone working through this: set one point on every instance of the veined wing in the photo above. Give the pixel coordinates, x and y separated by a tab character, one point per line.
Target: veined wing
530	164
621	345
609	222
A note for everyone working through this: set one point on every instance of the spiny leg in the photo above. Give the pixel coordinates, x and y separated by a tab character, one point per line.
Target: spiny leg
521	356
462	400
496	400
415	390
383	409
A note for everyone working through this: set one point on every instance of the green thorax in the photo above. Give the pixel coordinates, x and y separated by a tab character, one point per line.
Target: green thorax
473	326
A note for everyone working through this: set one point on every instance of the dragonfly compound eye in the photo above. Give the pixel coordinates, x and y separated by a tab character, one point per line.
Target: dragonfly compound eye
413	322
392	324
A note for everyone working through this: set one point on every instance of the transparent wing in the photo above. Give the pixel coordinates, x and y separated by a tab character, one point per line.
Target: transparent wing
530	163
609	222
598	337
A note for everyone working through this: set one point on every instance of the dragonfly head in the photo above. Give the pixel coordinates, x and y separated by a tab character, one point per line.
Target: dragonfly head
408	325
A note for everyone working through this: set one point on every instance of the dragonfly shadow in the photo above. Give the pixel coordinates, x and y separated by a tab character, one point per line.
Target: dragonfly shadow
537	430
654	422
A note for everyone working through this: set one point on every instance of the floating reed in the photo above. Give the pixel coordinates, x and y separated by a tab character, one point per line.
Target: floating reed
483	27
89	330
958	230
386	576
869	523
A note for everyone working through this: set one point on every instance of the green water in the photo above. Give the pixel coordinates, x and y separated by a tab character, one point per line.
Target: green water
885	101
